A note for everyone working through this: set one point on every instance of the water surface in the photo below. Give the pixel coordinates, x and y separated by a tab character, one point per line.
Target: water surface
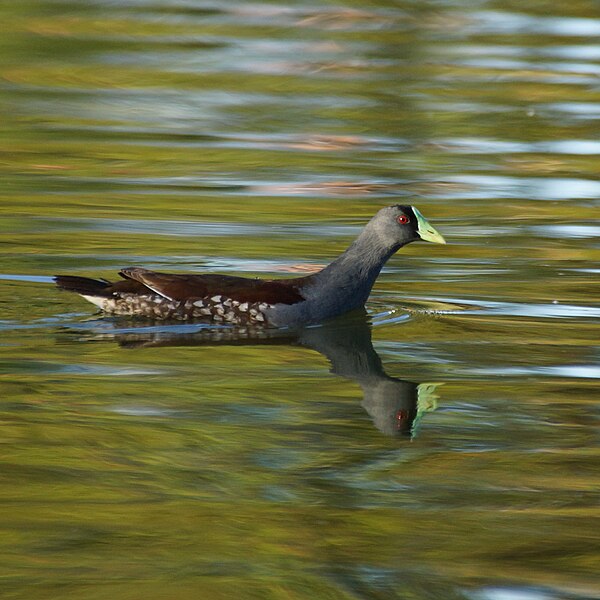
444	446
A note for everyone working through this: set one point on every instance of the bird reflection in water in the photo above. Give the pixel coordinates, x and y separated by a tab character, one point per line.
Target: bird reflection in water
396	406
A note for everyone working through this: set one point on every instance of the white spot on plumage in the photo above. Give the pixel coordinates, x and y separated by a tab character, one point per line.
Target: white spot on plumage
219	308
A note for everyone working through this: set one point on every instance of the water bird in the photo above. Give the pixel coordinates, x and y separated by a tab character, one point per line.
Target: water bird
341	287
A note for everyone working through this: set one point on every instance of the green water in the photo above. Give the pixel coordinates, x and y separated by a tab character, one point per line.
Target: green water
443	447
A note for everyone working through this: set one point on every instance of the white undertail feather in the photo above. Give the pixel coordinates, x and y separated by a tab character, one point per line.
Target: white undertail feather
97	300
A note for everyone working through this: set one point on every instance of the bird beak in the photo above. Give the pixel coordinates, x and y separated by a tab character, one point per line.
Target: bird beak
426	231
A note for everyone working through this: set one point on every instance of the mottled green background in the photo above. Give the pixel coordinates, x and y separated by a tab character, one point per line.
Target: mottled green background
256	138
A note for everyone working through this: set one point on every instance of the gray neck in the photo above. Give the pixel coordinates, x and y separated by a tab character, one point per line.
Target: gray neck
348	280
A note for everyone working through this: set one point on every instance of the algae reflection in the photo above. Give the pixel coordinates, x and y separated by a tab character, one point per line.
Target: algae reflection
395	405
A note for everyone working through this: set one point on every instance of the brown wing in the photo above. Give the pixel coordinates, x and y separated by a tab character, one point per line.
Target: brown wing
182	287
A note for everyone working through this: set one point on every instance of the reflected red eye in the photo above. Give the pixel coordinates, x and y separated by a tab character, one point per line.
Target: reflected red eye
403	219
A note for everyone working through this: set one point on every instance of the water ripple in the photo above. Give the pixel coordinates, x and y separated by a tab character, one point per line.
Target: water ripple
512	309
200	228
575	371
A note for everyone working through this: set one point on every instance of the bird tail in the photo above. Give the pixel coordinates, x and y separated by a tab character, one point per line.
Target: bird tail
83	285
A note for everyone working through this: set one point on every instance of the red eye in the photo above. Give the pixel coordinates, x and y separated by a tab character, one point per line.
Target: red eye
403	219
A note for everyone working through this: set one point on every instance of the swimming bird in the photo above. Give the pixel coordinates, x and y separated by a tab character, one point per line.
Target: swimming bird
342	286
